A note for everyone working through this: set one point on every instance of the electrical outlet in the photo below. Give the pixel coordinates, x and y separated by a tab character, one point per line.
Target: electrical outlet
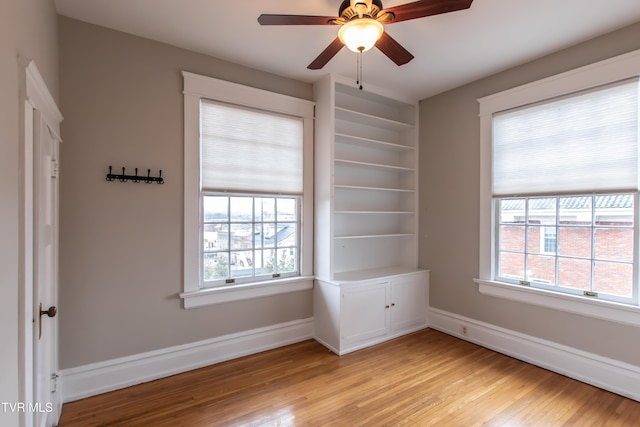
464	331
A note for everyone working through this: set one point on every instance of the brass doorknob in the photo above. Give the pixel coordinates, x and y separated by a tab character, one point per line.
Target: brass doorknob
51	312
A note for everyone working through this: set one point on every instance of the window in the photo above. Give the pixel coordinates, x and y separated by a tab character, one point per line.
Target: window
559	191
250	152
584	247
249	237
248	213
549	240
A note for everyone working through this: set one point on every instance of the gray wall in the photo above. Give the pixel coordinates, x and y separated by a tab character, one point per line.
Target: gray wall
449	176
27	29
121	243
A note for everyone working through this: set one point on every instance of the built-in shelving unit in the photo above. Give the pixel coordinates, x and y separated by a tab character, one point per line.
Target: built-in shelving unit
368	287
366	180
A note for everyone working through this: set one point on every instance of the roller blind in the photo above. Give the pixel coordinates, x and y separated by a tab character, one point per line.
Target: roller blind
584	142
250	150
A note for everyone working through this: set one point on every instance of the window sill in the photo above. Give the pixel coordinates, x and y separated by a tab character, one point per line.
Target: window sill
220	295
585	306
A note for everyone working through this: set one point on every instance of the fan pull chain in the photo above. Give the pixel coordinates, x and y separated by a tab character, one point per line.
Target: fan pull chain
359	68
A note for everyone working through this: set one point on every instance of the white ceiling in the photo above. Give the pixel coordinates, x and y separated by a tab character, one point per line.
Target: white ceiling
450	49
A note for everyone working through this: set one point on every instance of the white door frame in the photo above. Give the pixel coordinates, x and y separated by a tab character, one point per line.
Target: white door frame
34	95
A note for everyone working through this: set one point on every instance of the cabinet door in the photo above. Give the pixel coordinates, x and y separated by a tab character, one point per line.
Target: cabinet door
365	312
408	302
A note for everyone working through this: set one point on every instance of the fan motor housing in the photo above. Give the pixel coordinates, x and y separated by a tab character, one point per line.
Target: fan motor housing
347	12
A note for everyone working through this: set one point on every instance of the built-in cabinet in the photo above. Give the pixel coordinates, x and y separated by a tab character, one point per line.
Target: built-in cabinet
353	315
366	210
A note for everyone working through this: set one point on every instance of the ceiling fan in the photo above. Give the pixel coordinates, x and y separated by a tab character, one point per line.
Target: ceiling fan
361	25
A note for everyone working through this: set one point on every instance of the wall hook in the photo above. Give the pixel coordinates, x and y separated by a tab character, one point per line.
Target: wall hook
110	175
135	178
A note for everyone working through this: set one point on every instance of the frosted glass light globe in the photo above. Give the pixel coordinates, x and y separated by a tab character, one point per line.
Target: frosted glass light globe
360	35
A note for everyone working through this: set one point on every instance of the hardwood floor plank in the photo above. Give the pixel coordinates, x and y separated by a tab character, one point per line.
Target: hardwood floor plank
424	379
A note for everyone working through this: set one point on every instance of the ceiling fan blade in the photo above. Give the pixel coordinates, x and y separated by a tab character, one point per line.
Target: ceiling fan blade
422	8
393	49
326	55
267	19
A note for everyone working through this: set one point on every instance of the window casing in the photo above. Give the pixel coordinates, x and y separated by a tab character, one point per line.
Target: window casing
545	291
200	287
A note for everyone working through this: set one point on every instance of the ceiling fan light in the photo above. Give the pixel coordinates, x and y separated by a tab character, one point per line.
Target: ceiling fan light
360	35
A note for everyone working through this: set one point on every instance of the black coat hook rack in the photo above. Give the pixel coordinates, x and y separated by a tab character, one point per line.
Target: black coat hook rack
136	178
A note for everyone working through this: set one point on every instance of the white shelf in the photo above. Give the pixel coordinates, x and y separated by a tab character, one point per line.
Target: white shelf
346	200
374	236
374	103
388	158
354	212
370	142
369	120
375	273
360	187
372	165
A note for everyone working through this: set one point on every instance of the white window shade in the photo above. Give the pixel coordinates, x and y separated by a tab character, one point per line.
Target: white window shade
250	150
584	142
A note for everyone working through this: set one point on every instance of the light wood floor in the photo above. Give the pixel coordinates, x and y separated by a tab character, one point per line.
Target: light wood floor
426	378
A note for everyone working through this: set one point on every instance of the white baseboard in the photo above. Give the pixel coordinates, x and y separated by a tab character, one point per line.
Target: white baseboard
89	380
609	374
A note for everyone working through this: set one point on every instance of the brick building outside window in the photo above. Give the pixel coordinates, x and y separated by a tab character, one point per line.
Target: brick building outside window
583	243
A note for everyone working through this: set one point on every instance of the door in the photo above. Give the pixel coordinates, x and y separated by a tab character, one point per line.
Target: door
38	248
409	302
45	261
365	312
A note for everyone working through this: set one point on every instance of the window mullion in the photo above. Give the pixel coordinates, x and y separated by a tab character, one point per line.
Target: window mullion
497	208
636	254
253	236
557	224
526	238
299	233
229	242
275	239
593	242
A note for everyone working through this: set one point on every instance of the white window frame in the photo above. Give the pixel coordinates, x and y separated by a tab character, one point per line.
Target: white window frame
197	87
608	71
